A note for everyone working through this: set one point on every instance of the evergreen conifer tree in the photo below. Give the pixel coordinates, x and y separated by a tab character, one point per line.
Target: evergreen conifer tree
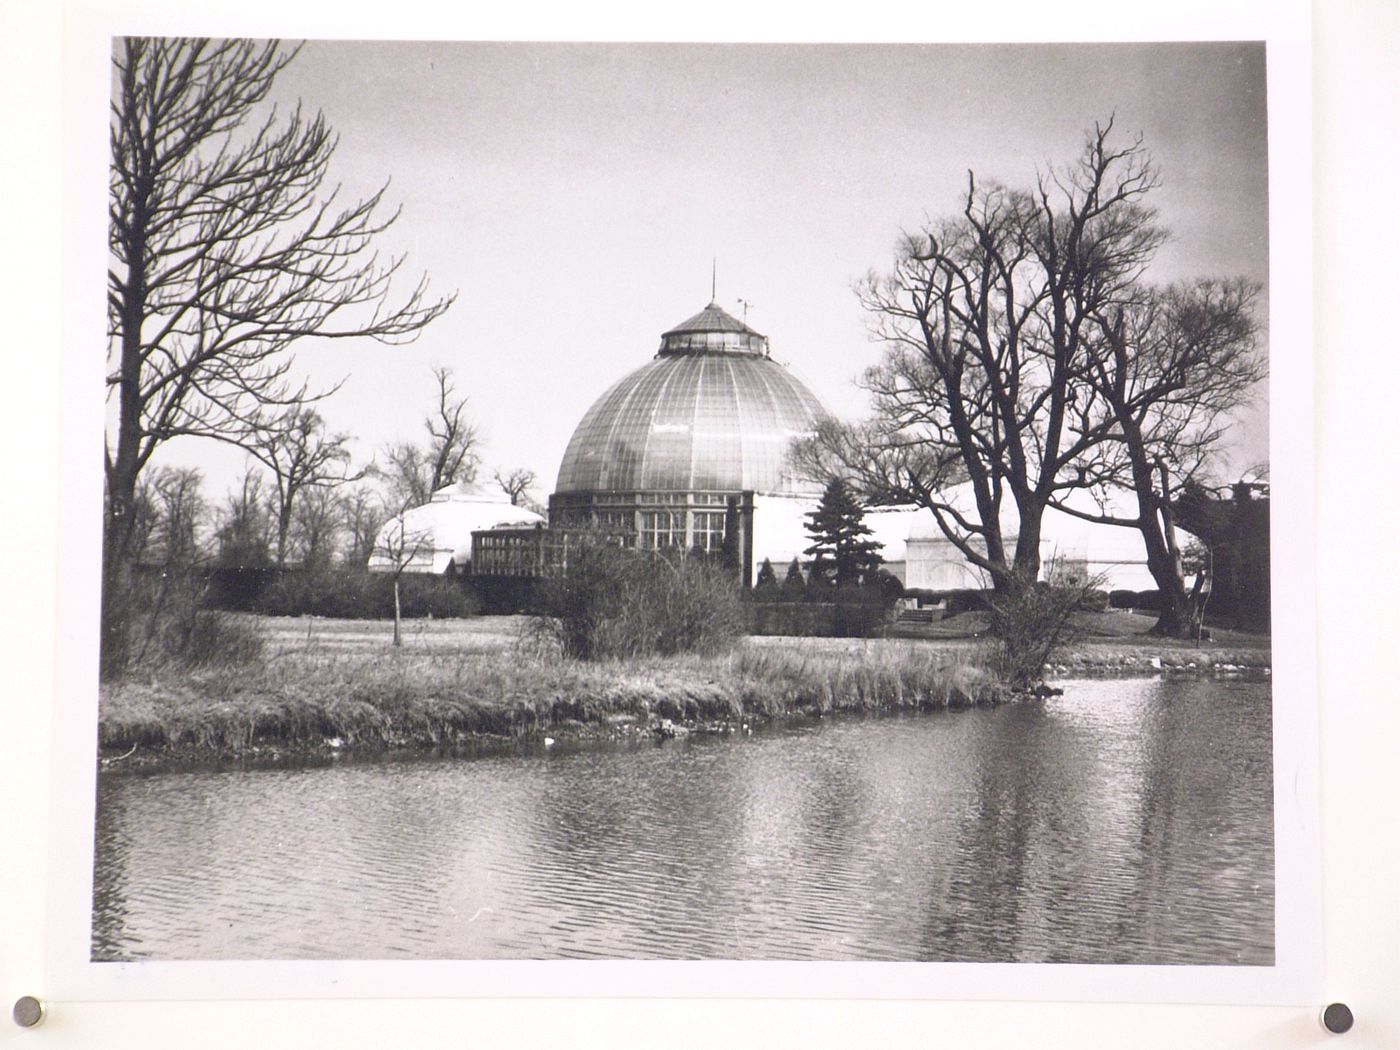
794	586
766	576
843	554
766	587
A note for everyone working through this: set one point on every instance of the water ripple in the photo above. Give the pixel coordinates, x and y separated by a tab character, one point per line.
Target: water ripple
1123	822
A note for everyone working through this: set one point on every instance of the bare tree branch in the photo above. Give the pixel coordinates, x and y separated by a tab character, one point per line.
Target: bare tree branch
414	472
516	484
1170	368
987	318
302	457
225	251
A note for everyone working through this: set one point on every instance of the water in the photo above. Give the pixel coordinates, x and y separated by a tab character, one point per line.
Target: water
1127	821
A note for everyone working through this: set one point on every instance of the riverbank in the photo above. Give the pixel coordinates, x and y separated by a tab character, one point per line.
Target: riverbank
339	688
349	693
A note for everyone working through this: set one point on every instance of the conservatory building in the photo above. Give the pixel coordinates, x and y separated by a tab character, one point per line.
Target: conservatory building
695	444
694	436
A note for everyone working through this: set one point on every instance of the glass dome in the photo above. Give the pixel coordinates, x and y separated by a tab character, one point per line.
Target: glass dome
711	413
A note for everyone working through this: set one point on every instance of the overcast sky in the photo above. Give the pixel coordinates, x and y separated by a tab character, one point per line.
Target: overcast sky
573	196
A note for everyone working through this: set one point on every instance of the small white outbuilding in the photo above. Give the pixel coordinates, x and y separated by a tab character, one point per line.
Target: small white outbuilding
916	551
437	537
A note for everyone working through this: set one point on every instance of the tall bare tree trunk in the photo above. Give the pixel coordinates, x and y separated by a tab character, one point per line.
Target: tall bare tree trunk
397	641
123	467
1178	617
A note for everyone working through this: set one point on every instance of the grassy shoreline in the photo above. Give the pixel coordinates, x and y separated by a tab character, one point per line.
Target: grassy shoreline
333	688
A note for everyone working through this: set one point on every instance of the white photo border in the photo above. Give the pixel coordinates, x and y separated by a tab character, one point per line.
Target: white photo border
1296	977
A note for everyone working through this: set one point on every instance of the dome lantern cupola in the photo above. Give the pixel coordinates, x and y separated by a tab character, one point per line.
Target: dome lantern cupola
713	330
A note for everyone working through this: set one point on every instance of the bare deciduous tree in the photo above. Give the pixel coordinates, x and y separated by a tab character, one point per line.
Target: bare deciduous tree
414	472
516	484
1172	366
175	513
1029	360
400	545
363	514
317	524
981	414
244	535
224	253
302	457
171	516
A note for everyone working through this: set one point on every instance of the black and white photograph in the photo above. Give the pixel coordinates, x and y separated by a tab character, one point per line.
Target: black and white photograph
699	526
686	502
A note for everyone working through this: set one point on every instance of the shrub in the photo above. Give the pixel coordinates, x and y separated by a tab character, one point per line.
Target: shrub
853	594
859	619
162	620
612	602
766	575
890	586
820	587
968	600
1149	601
441	597
217	639
1028	624
1122	599
349	594
794	587
766	587
1092	600
284	596
792	619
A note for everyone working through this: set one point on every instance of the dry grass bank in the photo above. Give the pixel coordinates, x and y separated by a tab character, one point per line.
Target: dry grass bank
339	686
332	685
1111	643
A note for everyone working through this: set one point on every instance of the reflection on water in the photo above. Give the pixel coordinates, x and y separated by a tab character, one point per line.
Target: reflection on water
1127	821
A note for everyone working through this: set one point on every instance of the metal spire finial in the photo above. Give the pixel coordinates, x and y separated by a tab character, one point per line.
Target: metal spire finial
712	278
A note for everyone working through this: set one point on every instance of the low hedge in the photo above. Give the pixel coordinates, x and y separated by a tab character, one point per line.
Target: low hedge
355	594
1121	599
967	600
818	619
1148	601
1093	601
